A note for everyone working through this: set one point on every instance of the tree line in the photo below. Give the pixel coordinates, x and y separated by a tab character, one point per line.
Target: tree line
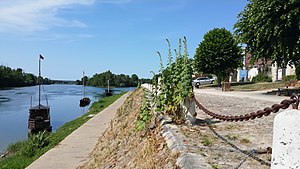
121	80
17	78
268	29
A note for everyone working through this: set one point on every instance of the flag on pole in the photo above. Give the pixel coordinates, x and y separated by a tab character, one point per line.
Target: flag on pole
41	57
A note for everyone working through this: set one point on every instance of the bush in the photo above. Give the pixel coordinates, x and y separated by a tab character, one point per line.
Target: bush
298	72
262	78
289	78
35	142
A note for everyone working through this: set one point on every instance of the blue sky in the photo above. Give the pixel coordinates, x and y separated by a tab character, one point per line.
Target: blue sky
99	35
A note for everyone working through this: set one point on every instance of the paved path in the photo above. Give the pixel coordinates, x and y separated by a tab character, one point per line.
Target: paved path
257	95
74	149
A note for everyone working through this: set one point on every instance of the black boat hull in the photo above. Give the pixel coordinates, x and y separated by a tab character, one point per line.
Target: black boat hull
39	119
84	102
107	93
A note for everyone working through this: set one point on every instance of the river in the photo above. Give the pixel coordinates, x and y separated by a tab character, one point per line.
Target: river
62	99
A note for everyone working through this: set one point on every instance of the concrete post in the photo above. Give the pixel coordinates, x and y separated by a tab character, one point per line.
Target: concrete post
189	108
286	140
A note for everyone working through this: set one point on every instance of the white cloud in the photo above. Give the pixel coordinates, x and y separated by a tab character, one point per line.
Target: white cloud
36	15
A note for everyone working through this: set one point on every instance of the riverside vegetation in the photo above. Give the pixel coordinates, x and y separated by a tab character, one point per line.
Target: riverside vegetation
23	153
17	78
121	80
133	139
130	142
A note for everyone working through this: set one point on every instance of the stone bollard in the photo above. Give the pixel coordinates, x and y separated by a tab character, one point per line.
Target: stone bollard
286	140
189	108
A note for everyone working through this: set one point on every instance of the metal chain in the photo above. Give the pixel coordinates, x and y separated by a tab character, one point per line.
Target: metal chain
212	148
284	104
242	162
267	150
237	148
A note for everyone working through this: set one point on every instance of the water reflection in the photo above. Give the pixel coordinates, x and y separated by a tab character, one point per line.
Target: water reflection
63	101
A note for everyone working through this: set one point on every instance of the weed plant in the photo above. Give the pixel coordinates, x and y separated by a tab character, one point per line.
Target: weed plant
145	114
175	84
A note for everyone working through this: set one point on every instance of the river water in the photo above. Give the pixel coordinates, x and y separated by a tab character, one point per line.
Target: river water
62	99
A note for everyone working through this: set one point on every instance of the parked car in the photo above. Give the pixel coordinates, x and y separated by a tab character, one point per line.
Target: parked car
202	80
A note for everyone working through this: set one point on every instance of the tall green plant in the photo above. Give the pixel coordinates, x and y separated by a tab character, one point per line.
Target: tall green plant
144	116
175	83
186	75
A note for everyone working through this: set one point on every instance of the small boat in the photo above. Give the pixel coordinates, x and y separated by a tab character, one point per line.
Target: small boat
39	116
107	92
85	100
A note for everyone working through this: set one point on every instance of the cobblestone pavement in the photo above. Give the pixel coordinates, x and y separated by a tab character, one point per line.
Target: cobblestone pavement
246	135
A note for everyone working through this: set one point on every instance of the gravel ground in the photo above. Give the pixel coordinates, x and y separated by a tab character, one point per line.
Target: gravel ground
247	135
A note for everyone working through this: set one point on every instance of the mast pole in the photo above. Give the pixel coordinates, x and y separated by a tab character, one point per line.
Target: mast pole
83	85
39	81
108	85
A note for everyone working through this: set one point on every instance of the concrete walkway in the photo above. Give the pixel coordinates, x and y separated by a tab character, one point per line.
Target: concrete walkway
74	149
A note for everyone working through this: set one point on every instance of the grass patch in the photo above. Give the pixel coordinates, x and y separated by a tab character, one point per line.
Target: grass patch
230	127
215	166
23	153
251	86
259	86
244	141
231	137
231	84
206	141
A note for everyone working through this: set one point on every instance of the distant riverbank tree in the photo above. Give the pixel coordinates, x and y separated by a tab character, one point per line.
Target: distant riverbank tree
121	80
17	78
144	80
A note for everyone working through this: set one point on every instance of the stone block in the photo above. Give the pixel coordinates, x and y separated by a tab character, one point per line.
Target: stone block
286	140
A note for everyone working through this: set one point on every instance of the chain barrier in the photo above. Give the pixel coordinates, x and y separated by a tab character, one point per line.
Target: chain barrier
267	150
250	154
284	104
242	162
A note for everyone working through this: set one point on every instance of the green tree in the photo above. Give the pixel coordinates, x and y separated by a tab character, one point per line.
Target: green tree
30	79
134	80
85	80
122	80
271	30
218	54
15	77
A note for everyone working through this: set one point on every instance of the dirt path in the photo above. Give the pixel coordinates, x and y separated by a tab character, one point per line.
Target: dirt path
246	135
74	149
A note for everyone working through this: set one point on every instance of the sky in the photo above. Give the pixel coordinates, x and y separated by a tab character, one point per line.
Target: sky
122	36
